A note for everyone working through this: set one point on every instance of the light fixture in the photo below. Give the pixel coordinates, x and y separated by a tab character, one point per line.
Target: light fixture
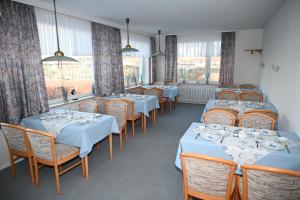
58	55
159	52
128	47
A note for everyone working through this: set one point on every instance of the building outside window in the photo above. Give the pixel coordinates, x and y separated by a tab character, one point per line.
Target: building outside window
198	58
76	42
136	65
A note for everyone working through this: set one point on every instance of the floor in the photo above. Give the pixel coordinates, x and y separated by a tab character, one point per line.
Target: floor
145	170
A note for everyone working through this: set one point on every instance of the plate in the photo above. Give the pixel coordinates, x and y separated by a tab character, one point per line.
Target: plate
266	132
273	145
282	140
223	133
210	137
215	126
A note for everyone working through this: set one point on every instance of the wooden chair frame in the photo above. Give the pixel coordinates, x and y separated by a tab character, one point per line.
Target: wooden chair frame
122	129
234	117
135	90
162	101
225	92
189	192
271	113
228	109
251	93
57	164
15	153
98	106
247	86
258	114
89	101
132	117
245	169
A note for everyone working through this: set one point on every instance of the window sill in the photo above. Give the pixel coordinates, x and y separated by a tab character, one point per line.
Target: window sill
58	104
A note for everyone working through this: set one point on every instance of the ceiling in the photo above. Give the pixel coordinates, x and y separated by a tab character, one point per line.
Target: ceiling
177	16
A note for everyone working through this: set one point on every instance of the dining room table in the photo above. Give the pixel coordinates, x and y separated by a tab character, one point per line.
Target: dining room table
142	104
169	91
278	149
80	129
240	106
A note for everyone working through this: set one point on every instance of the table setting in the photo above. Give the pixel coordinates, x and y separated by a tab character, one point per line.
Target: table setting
242	145
80	129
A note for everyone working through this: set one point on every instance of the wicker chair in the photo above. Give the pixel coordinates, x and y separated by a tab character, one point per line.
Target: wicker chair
132	115
227	95
231	110
247	86
206	177
159	93
18	146
135	90
118	108
228	85
88	106
251	96
47	152
271	113
219	116
101	104
257	120
261	182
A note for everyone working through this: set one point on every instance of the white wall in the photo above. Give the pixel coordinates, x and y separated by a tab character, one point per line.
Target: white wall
246	68
281	44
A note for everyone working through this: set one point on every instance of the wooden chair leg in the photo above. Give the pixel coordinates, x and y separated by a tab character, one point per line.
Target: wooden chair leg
57	179
133	128
86	166
30	168
161	108
126	136
36	173
12	164
121	140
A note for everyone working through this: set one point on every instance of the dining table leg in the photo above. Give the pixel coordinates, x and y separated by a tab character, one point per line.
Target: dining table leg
110	146
145	123
86	164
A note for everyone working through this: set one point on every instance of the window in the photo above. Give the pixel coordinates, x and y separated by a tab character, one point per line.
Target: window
76	42
198	58
136	65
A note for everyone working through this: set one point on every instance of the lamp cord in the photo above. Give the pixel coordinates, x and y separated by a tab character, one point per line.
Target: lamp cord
55	18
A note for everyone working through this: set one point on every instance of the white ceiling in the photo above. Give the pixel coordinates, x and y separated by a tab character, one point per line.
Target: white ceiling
177	16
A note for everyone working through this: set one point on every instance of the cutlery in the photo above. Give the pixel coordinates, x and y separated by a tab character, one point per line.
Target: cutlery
287	148
197	136
278	134
222	139
256	141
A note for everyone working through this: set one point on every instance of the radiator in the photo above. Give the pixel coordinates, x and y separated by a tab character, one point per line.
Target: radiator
199	94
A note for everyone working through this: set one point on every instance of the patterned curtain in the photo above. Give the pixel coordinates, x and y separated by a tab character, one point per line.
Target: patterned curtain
227	58
108	64
153	61
22	84
171	59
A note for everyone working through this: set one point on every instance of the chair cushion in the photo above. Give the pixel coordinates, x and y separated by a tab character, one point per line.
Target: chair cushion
64	150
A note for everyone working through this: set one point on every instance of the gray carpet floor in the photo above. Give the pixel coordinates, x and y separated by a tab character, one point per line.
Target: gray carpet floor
145	170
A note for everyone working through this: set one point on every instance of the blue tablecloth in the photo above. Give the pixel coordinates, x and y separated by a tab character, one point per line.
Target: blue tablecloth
279	159
142	103
169	91
82	136
211	103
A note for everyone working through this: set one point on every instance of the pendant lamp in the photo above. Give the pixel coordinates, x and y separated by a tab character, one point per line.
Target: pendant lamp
128	47
159	52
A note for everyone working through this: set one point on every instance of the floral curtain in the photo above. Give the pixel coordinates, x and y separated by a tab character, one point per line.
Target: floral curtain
227	58
171	59
153	61
108	64
22	84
